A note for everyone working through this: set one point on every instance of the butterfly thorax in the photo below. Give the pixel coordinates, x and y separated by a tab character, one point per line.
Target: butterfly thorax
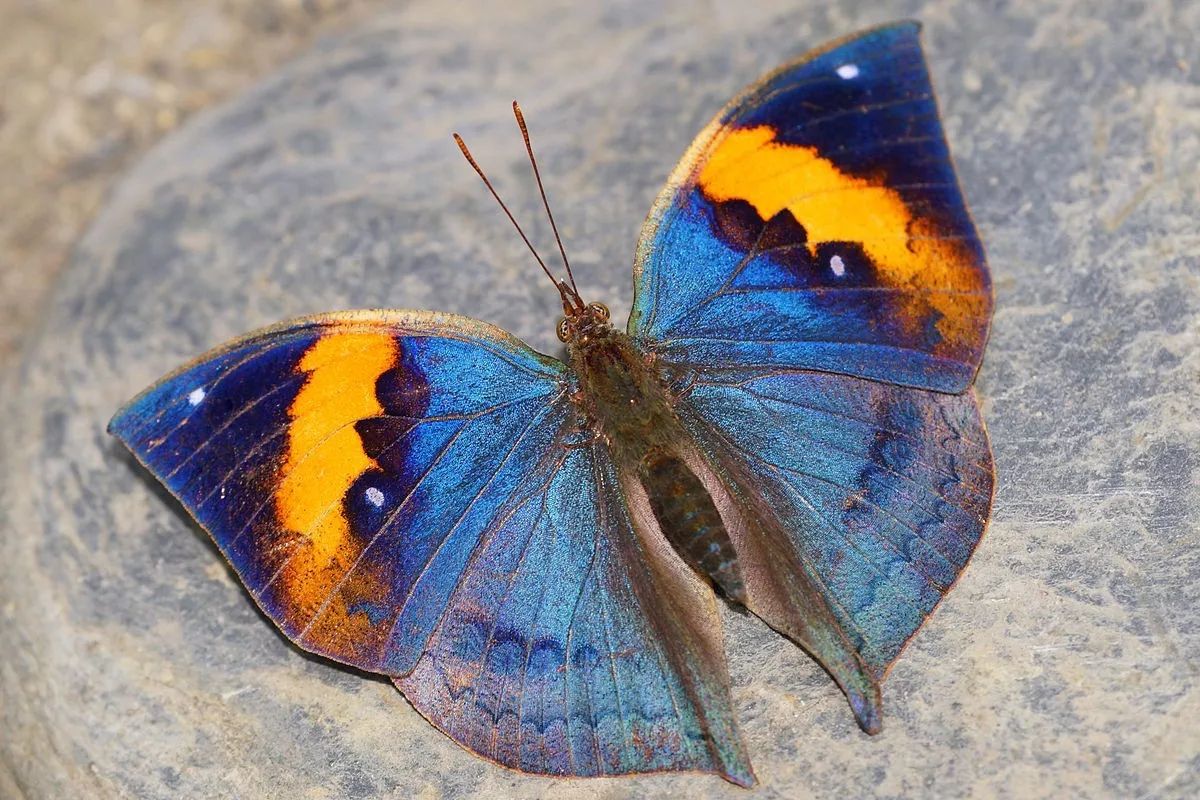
621	394
628	405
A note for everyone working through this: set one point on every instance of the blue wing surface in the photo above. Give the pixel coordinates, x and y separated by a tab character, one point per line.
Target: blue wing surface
398	491
882	492
817	223
578	650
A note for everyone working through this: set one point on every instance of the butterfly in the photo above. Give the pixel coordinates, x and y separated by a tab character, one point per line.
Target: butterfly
533	549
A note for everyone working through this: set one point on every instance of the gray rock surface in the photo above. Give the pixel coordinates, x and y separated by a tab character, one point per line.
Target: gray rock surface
1063	665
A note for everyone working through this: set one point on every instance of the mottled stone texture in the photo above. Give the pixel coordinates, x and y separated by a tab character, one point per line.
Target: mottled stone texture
1063	665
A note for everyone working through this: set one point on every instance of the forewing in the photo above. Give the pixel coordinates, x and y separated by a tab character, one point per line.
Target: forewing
881	493
345	464
817	223
399	491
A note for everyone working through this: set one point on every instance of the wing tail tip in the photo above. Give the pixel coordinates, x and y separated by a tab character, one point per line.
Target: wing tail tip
740	774
732	763
868	709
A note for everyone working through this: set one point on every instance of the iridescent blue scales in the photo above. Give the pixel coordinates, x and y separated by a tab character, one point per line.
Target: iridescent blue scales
816	223
411	494
529	548
883	490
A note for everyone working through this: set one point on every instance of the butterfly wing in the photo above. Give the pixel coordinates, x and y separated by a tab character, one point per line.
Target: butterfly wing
882	492
583	648
405	492
817	223
812	242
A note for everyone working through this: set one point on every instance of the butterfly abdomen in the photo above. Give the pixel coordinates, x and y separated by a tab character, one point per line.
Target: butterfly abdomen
690	521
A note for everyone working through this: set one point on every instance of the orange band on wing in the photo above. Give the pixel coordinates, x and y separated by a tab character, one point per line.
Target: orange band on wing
324	457
748	164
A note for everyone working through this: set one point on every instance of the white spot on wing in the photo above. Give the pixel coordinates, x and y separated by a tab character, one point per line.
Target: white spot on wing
847	71
838	266
196	396
374	497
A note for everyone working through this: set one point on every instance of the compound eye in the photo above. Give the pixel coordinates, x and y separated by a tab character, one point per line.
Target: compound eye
600	310
564	329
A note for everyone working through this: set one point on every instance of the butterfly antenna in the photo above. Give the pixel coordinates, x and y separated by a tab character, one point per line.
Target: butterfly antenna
538	176
475	165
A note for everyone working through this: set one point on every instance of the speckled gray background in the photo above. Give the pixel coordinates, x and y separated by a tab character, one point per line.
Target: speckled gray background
1063	665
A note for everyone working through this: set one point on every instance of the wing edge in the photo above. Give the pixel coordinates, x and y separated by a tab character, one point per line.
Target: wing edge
400	321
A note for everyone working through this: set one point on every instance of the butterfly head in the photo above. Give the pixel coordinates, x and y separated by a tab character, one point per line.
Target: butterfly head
581	323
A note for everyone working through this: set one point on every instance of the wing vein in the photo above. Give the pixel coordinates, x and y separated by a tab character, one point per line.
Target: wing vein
475	499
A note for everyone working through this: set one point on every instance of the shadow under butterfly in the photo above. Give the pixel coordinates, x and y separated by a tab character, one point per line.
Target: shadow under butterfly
529	548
